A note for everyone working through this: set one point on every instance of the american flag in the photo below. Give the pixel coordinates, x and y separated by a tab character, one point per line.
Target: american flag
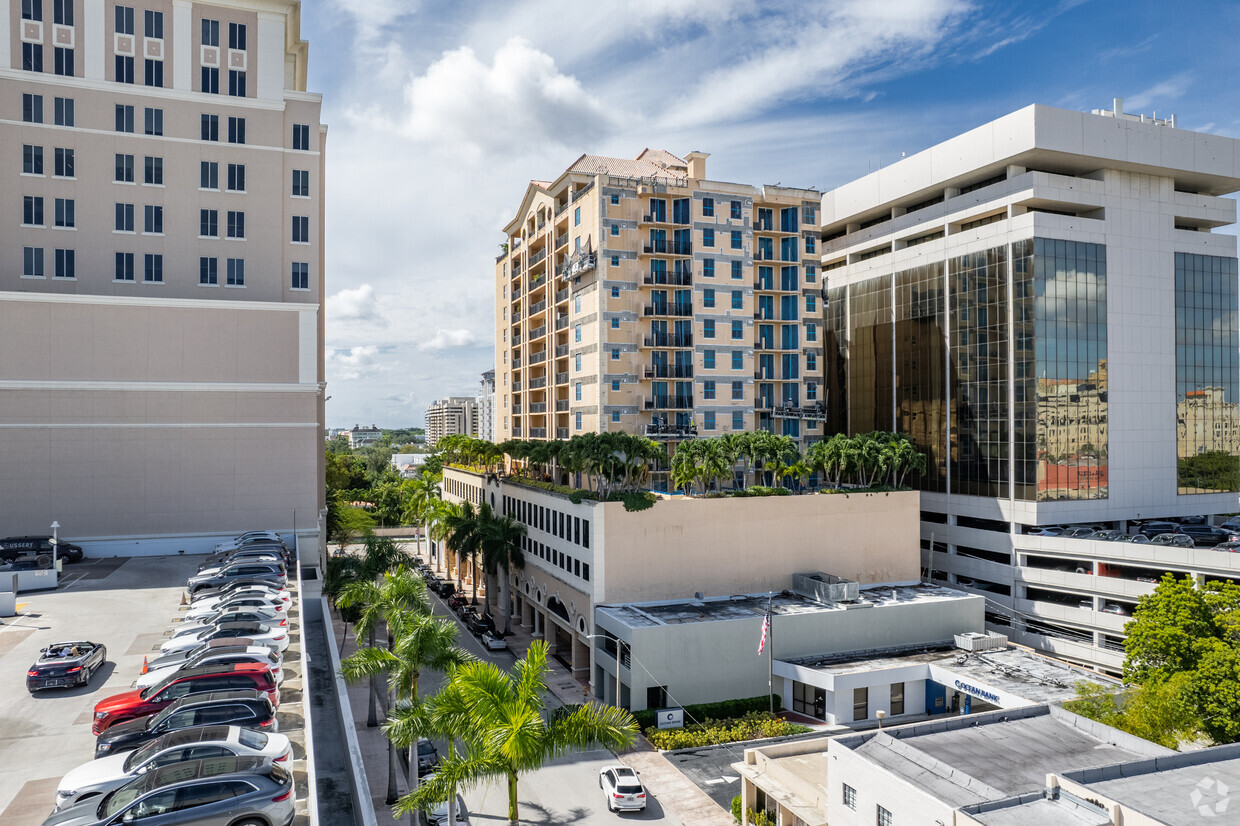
766	627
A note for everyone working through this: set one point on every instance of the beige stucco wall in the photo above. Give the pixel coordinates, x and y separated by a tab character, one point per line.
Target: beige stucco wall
717	546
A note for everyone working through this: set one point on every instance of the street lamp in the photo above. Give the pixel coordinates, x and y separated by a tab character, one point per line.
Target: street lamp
619	654
55	541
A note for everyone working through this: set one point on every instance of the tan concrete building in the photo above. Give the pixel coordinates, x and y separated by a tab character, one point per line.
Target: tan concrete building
453	416
161	273
640	296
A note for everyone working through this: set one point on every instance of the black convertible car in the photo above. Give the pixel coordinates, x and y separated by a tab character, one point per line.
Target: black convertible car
66	664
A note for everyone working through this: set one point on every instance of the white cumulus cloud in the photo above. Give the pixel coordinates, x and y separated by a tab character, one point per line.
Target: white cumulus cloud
519	100
353	362
450	340
357	304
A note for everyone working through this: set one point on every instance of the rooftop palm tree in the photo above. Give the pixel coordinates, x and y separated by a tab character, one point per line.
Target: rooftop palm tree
416	641
502	720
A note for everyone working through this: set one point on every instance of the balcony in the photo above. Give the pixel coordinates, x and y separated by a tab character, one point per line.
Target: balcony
672	279
516	387
668	371
561	351
668	248
516	430
561	323
516	268
561	378
538	332
538	432
538	407
538	307
561	240
537	281
516	292
516	363
764	344
561	432
669	403
672	309
650	218
516	339
669	431
578	194
761	225
562	295
516	410
668	340
537	383
539	357
561	405
764	255
538	257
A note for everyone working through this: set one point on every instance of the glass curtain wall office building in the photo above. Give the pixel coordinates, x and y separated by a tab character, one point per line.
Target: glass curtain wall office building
1045	306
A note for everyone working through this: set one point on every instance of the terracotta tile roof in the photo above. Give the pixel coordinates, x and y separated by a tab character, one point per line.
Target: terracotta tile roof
651	163
543	184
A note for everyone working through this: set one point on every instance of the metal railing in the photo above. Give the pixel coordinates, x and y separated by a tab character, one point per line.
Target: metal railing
671	309
539	357
538	382
538	332
561	351
538	307
669	431
538	257
538	407
668	371
561	378
561	240
561	405
538	432
562	295
669	340
669	403
561	432
674	279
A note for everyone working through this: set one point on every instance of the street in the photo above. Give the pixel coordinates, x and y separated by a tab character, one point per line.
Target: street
566	791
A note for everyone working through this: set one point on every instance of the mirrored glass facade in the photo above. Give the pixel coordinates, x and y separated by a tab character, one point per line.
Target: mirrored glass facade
978	352
1207	437
1060	338
835	359
870	354
921	366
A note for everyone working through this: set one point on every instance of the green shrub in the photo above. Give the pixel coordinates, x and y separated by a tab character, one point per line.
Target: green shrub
762	490
755	725
736	808
717	711
635	501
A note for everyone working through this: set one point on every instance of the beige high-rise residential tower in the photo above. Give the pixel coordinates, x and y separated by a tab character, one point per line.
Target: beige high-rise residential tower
638	296
161	272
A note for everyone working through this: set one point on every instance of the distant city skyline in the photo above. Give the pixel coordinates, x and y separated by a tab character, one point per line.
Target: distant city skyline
463	105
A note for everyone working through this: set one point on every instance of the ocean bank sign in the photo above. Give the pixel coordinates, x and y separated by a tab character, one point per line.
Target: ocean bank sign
980	693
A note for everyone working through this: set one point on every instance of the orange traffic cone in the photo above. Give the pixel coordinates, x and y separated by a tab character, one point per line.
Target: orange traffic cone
183	602
145	667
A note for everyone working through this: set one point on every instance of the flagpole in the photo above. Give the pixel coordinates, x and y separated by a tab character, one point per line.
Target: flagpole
770	674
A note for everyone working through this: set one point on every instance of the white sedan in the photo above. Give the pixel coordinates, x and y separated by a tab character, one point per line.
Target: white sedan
252	589
246	614
622	789
218	656
244	602
273	637
107	773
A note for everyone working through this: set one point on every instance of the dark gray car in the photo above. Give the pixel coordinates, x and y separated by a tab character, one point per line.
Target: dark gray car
237	571
217	791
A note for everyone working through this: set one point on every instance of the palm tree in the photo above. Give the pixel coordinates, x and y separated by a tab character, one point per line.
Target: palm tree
501	552
400	591
905	457
423	492
715	462
502	720
416	641
465	538
437	527
341	570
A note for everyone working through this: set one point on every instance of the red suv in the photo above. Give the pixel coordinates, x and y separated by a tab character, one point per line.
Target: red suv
131	704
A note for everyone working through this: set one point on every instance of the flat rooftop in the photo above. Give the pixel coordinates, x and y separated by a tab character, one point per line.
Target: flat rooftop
785	603
1163	789
1041	811
995	755
1015	670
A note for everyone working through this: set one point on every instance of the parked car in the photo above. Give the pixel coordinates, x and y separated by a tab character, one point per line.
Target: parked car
205	742
477	624
263	615
1049	530
494	642
1232	524
444	588
457	602
428	756
248	537
64	664
261	555
236	603
622	789
438	816
259	633
217	656
1077	532
181	655
1113	608
248	708
243	586
1231	546
1158	526
137	703
1086	604
1206	536
235	572
1176	540
12	547
204	792
1136	538
1105	535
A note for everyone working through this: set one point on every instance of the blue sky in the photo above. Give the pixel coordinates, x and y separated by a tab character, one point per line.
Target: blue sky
441	112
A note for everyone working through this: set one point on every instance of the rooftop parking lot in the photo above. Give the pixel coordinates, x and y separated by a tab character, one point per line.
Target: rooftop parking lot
131	606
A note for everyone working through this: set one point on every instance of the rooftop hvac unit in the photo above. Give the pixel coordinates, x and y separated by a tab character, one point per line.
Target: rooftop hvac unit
976	641
822	587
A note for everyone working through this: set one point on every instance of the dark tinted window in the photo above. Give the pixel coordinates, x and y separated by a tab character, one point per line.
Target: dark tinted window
203	794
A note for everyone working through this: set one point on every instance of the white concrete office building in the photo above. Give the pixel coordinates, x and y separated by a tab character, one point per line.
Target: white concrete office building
1044	304
161	273
486	407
